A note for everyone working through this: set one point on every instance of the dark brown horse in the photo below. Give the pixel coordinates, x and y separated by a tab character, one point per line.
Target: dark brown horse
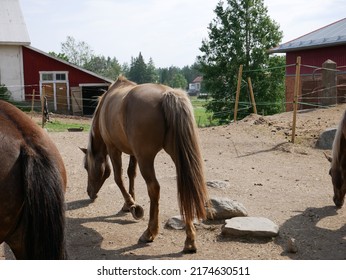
338	163
141	120
32	185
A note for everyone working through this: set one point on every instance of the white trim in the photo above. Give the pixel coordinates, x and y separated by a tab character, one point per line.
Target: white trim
94	85
54	81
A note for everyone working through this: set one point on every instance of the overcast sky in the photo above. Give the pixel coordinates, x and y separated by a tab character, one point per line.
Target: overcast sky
170	32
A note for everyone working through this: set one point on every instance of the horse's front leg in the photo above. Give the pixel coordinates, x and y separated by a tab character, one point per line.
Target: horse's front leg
130	205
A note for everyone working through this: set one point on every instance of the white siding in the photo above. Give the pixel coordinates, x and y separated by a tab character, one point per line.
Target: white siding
11	70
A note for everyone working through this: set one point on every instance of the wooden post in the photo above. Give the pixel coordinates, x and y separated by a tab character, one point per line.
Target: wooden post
238	92
252	95
329	82
295	100
42	105
32	100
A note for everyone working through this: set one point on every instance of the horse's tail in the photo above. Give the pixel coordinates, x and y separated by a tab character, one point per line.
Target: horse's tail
44	206
182	133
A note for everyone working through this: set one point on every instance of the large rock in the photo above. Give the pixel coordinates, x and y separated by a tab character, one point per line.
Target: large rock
250	226
224	208
325	141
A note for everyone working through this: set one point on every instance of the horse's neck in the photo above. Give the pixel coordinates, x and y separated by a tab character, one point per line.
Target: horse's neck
98	144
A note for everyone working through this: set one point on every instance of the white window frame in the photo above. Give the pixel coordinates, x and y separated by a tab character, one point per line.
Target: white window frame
54	81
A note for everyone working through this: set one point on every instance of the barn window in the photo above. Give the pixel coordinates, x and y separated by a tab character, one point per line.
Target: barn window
60	76
47	77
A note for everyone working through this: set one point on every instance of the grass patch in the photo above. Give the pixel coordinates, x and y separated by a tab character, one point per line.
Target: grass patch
57	126
203	118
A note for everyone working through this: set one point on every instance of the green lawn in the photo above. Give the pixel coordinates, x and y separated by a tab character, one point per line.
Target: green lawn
203	118
58	126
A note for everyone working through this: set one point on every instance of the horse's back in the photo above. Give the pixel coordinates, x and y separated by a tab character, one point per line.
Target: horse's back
135	119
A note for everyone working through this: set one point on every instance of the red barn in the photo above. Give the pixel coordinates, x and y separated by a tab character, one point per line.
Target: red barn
319	86
68	88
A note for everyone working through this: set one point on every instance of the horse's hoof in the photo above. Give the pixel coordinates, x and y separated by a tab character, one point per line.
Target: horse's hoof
137	211
146	237
190	250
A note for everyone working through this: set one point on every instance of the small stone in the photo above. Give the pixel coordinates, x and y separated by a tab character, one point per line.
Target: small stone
217	184
292	246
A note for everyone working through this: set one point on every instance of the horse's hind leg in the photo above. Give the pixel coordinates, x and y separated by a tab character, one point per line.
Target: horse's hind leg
148	173
129	205
190	242
131	173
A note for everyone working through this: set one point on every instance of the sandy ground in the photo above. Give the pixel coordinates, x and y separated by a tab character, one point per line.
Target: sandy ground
287	183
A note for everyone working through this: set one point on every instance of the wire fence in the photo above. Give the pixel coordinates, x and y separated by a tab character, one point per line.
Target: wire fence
312	95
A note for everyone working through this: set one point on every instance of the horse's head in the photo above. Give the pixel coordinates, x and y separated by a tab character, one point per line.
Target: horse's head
339	183
98	169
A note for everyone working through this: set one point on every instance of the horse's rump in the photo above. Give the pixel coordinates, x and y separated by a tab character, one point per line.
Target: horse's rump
37	177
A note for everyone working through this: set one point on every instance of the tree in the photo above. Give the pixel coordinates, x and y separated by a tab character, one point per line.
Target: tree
241	33
78	53
59	55
152	74
179	81
140	72
107	67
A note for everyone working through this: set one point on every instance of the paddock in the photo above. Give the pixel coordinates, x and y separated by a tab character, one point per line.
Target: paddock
287	183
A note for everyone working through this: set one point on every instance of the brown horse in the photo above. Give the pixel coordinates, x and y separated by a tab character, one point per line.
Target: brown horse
338	163
140	120
32	185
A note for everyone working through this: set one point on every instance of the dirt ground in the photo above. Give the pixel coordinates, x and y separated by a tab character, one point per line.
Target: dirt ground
287	183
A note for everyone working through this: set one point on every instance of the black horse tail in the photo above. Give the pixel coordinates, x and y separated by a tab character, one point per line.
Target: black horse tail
44	206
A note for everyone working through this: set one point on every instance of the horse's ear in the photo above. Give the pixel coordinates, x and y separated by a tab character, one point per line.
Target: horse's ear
84	150
329	158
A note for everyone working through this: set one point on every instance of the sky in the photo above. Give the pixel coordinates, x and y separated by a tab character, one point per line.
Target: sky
169	32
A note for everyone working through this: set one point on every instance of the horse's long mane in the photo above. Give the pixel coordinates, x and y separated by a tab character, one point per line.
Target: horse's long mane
337	142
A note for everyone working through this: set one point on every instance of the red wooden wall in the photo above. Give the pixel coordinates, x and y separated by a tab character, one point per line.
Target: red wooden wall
34	62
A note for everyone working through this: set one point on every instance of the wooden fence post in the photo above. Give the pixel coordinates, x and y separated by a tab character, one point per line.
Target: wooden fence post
42	105
252	95
295	100
238	92
32	100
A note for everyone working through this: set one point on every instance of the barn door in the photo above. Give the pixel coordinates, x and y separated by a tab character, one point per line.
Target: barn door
77	101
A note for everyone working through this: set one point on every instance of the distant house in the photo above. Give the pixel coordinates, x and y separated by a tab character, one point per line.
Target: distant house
195	86
68	88
318	86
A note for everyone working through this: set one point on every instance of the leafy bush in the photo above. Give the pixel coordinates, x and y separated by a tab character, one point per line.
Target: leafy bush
5	94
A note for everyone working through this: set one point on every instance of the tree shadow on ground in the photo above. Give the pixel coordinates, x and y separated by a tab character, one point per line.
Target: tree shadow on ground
313	241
